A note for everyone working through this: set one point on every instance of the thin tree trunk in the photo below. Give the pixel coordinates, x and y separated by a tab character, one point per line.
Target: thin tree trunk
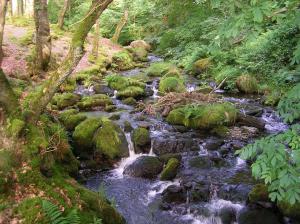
43	38
10	8
43	96
95	49
20	7
119	27
62	15
3	8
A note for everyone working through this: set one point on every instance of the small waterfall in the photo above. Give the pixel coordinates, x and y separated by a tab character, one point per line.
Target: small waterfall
188	202
151	153
203	151
155	89
115	94
190	88
130	145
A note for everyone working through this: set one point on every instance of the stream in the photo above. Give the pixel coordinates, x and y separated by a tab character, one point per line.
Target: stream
212	192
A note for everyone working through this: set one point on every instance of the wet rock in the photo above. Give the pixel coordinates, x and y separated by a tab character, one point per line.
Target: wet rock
148	91
115	117
227	215
166	157
103	89
291	211
200	192
200	163
259	193
144	166
213	144
251	110
237	192
258	216
243	133
174	194
129	101
141	140
170	171
217	159
180	128
163	145
127	126
71	118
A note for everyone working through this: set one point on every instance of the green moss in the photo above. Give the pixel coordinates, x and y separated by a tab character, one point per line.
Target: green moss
166	157
170	171
139	54
16	127
123	60
259	193
247	84
65	100
71	118
272	98
84	133
141	137
203	116
27	39
131	91
221	131
110	140
119	83
129	101
171	84
69	85
98	100
289	210
201	65
159	69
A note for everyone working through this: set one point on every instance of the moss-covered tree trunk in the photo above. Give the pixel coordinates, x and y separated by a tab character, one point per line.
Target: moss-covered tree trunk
3	8
62	14
43	38
96	40
44	95
119	27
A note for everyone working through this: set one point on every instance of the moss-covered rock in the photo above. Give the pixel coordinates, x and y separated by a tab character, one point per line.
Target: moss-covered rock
131	91
247	84
141	140
203	116
69	85
170	171
159	69
120	83
111	141
139	54
97	100
123	60
83	135
201	65
292	211
166	157
272	98
259	193
171	84
200	163
140	44
71	118
130	101
65	100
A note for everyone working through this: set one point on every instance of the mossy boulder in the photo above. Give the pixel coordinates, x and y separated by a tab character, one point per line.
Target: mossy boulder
139	54
141	140
171	84
65	100
144	166
110	140
166	157
118	82
140	44
247	84
69	85
203	116
98	100
129	101
123	60
83	136
131	91
272	98
201	65
170	171
159	69
71	118
292	211
259	193
200	163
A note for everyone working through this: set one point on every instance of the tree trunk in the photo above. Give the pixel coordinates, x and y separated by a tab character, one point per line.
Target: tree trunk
251	121
3	7
43	38
44	95
119	27
10	9
20	7
96	40
62	15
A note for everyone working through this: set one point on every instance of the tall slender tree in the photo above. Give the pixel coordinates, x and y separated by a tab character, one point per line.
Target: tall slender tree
119	27
3	8
62	14
96	39
43	38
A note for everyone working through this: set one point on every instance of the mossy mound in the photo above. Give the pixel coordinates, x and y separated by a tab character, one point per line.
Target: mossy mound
159	69
71	118
292	211
203	116
98	100
141	140
111	141
129	101
123	60
84	133
171	84
166	157
69	85
170	171
139	54
131	91
65	100
201	65
247	84
272	98
140	44
259	193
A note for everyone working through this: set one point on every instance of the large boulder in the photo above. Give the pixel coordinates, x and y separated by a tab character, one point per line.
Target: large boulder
131	91
170	171
140	44
159	69
144	166
247	84
258	216
123	60
103	89
65	100
203	116
171	84
141	140
71	118
110	140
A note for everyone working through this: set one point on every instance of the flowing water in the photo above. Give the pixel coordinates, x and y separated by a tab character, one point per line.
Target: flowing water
229	180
